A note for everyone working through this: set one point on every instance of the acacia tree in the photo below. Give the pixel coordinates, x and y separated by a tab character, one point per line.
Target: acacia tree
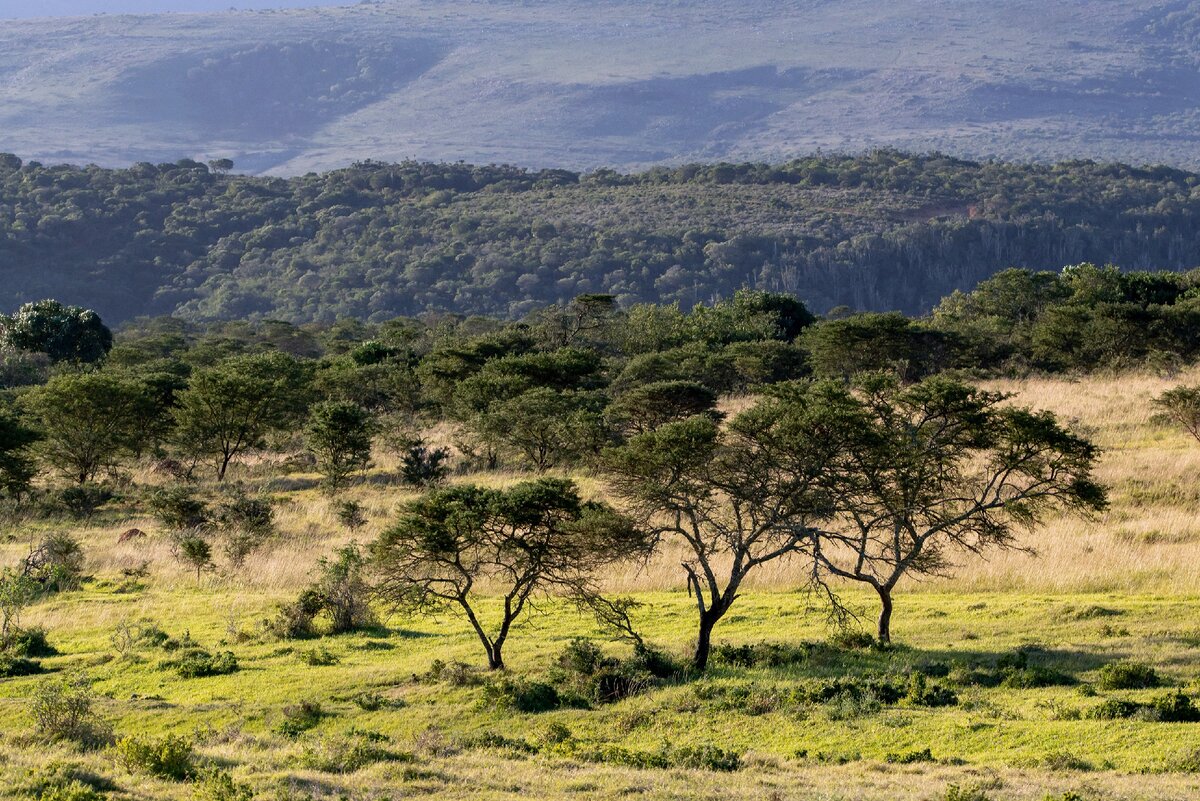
90	421
17	468
229	408
738	497
647	407
1180	407
937	468
339	436
457	547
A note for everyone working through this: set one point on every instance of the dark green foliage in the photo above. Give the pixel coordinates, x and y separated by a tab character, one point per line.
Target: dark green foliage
193	550
583	672
170	757
82	500
910	757
350	514
214	784
13	663
343	590
520	695
1127	676
17	467
339	436
177	508
230	407
245	524
195	663
647	407
64	333
91	421
30	642
877	342
422	466
529	538
318	657
56	563
1174	707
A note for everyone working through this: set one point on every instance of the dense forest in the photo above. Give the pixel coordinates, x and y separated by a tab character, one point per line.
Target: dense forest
375	241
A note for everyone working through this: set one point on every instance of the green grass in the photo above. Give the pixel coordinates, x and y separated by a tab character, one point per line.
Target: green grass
1017	735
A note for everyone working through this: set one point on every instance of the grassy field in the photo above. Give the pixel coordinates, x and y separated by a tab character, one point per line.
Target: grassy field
1119	588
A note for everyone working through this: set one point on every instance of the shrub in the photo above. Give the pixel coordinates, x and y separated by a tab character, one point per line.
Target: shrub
421	466
195	663
345	753
215	784
166	758
300	718
582	671
246	524
910	757
29	642
12	664
297	620
922	693
56	564
969	793
344	591
521	695
705	757
177	508
82	501
765	654
851	640
1174	707
62	710
350	514
456	674
61	781
318	657
1127	676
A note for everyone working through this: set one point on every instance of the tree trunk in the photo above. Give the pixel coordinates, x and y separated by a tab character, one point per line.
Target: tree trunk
224	466
704	641
885	614
496	657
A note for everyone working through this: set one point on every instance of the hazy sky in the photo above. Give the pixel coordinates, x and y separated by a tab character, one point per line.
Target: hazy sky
61	8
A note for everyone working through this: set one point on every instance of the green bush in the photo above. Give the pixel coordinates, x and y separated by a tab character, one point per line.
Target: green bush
705	757
1127	676
920	692
29	642
214	784
521	695
1115	709
318	657
1174	707
61	708
167	758
969	793
12	664
300	718
195	663
910	757
346	753
61	781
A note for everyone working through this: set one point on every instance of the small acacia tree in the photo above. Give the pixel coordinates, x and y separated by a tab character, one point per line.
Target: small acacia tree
90	421
737	497
1180	407
462	546
339	436
937	468
229	408
17	468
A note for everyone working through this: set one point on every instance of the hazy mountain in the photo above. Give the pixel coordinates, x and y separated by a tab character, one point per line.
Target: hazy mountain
584	84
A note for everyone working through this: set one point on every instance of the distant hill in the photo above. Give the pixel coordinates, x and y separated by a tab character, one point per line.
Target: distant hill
377	240
623	83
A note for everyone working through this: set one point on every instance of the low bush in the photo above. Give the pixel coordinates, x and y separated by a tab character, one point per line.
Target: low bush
1127	676
61	708
195	663
456	674
921	692
167	758
969	793
346	753
521	695
318	657
29	643
63	781
300	718
214	784
583	673
765	654
13	664
1174	707
910	757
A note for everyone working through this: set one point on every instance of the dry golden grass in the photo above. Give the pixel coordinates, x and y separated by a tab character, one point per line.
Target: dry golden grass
1148	541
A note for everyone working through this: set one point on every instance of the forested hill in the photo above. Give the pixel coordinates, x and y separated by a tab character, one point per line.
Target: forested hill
880	231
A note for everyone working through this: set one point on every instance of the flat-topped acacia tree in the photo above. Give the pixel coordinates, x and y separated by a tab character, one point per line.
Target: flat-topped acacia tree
737	496
489	552
937	469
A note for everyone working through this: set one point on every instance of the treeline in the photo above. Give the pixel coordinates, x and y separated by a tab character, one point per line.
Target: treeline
885	230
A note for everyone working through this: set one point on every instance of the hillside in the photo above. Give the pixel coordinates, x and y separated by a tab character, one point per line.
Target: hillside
613	83
885	231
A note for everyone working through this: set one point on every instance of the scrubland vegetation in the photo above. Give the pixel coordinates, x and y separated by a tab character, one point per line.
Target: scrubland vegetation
609	551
